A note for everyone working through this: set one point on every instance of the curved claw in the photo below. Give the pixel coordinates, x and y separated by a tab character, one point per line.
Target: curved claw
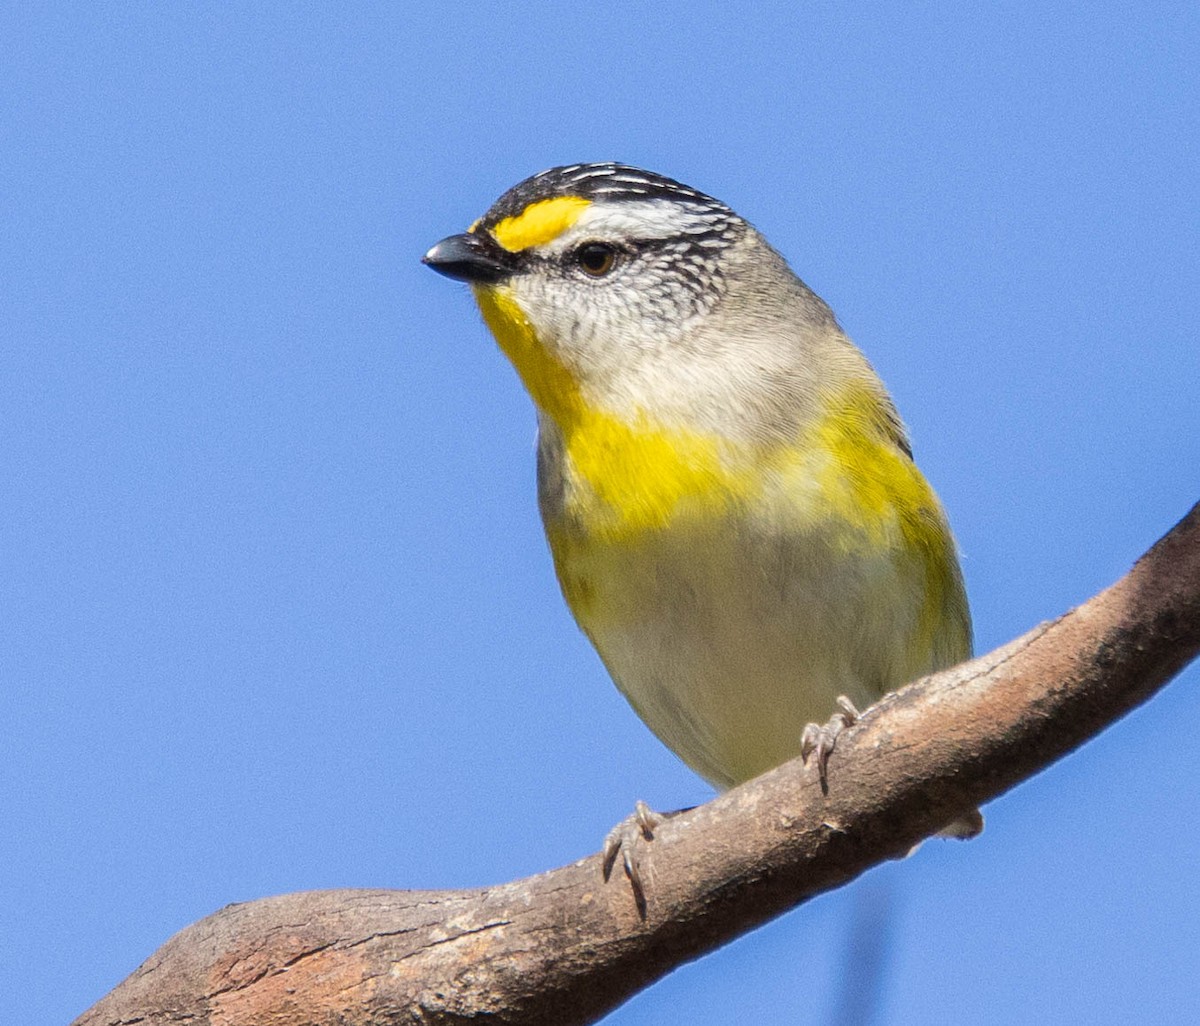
822	740
627	837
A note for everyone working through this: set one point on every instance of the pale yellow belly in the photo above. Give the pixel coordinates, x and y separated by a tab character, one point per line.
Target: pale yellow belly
728	637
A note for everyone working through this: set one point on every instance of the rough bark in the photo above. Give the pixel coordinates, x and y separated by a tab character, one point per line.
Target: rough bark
564	947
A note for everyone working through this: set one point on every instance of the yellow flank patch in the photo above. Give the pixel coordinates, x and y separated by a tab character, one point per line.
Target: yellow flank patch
539	222
866	478
874	487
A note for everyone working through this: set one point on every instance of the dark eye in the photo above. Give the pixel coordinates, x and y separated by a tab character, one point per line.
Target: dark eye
596	258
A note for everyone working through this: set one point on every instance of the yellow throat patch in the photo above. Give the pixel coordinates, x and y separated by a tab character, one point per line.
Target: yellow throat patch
636	476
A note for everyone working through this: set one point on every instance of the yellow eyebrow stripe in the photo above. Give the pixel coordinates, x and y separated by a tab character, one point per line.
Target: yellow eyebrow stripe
539	222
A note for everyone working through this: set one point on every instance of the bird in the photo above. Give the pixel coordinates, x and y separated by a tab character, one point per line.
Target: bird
729	494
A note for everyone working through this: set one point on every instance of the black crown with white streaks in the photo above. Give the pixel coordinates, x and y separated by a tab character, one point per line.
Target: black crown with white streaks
604	182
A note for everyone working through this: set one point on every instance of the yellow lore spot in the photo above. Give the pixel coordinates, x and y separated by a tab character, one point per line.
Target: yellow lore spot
539	223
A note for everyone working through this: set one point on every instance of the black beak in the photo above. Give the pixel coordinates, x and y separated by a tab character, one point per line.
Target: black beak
469	257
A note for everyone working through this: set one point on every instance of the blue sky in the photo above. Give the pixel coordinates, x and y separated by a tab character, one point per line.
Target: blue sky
277	612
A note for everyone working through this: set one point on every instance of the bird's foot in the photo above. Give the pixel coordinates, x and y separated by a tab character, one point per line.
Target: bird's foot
820	740
627	839
965	827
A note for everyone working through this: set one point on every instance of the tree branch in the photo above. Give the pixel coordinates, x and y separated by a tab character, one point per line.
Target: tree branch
563	947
